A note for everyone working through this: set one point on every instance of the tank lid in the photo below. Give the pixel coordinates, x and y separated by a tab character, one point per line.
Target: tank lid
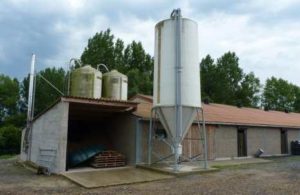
86	68
114	73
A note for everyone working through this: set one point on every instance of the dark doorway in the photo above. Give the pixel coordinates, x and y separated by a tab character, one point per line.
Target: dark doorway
284	142
242	142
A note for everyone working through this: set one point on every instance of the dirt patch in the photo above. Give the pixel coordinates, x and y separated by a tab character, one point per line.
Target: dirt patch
282	176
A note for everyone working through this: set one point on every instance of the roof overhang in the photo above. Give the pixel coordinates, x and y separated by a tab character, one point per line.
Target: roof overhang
97	109
147	119
90	108
103	104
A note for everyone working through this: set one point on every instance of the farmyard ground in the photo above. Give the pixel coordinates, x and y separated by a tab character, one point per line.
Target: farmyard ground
281	176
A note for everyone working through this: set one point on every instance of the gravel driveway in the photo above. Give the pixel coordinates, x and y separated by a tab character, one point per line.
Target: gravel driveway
281	176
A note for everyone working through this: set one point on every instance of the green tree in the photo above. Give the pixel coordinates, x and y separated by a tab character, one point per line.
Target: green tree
9	96
207	75
138	66
297	101
248	93
229	75
131	60
119	55
101	49
45	95
224	82
10	139
280	95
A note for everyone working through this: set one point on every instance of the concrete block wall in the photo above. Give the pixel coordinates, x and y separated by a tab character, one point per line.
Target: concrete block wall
50	131
225	142
123	137
222	141
158	147
267	139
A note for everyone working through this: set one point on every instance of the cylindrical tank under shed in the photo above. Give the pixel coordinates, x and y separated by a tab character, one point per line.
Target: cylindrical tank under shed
86	81
115	85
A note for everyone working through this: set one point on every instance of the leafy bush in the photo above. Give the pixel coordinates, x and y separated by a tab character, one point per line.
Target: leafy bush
10	139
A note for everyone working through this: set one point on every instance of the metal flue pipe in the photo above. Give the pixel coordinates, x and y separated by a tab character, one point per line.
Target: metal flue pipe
176	14
103	65
30	92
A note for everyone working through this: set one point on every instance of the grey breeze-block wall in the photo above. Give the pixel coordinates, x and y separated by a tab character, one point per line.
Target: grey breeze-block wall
50	131
267	139
225	142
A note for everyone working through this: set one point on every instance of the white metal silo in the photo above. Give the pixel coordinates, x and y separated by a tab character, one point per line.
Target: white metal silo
176	76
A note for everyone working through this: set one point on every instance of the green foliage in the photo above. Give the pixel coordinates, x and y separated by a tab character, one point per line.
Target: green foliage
229	76
45	95
138	66
248	93
224	82
9	96
7	156
208	81
17	119
131	60
100	49
297	101
281	95
10	139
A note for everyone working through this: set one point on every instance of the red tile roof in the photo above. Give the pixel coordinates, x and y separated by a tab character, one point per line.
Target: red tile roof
232	115
142	96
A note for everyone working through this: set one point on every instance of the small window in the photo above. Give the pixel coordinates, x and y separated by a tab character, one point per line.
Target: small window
160	134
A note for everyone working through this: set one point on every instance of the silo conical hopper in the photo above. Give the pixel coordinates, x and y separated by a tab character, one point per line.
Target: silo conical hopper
176	76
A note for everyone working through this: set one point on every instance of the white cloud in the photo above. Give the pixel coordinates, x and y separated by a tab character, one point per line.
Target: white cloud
265	45
268	6
265	50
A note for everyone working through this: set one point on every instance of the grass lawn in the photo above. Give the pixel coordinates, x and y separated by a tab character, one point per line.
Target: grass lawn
7	156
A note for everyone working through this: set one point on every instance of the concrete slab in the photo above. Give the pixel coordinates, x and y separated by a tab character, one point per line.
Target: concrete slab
116	176
188	168
224	163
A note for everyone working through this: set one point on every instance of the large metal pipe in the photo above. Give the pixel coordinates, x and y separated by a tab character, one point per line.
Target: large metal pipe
178	69
30	92
30	108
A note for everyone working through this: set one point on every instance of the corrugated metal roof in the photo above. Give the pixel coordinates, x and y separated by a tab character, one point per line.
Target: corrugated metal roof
84	99
109	103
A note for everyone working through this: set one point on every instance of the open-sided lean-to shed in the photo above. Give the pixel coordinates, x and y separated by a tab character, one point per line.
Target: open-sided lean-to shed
73	123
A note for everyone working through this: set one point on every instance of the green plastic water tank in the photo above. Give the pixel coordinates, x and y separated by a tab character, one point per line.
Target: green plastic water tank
86	82
115	85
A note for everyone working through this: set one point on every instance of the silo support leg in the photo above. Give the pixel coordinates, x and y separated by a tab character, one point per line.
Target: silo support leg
205	140
150	139
176	166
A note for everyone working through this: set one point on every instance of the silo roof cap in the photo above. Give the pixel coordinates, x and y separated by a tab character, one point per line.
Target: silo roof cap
114	72
87	67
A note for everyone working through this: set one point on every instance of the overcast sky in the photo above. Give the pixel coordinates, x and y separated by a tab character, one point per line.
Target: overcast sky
265	34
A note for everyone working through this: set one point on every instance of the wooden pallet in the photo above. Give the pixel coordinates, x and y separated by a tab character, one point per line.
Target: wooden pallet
107	159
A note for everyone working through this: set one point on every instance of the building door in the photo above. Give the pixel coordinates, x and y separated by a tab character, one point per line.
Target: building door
284	142
242	142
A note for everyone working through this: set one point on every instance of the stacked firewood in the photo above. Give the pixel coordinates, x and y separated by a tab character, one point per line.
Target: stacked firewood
108	159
